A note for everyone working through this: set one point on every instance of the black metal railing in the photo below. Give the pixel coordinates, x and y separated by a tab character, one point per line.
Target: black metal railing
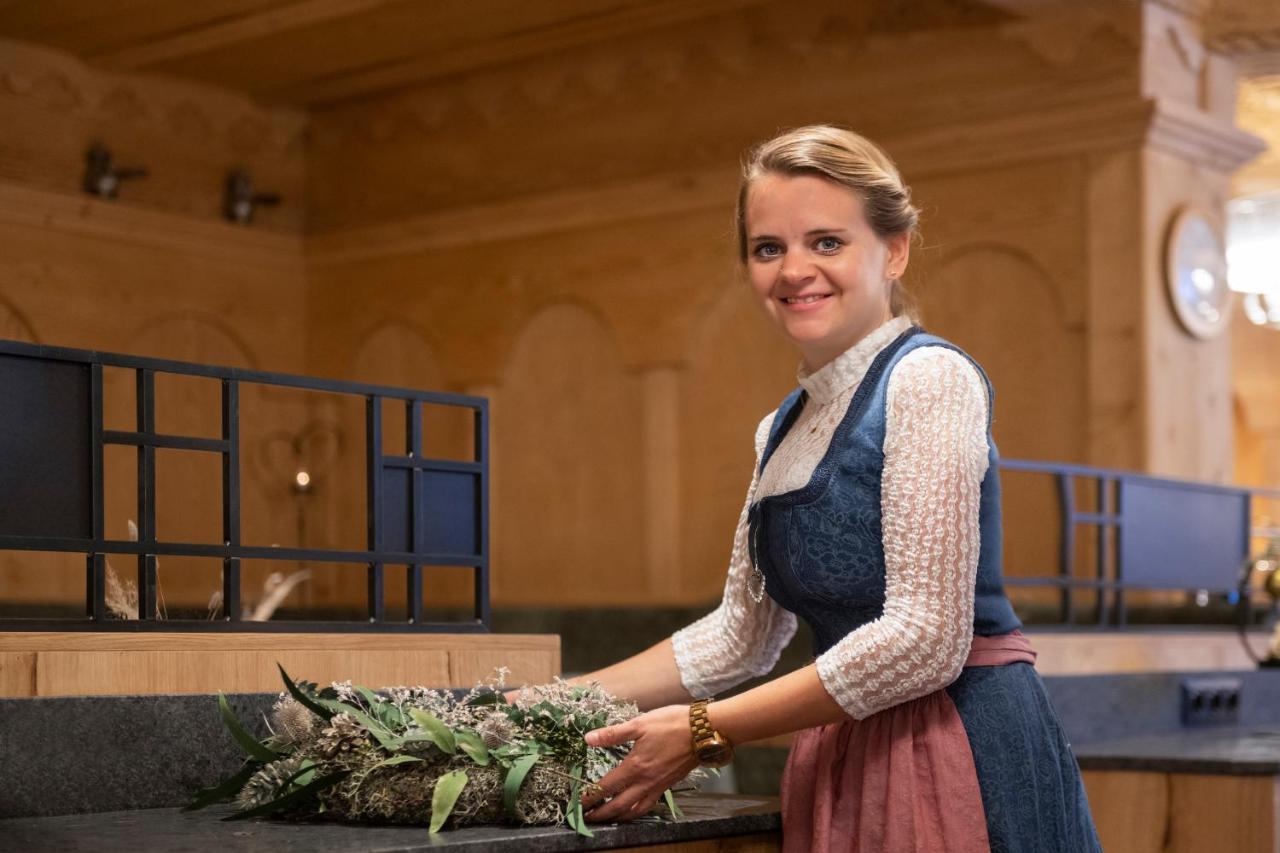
422	512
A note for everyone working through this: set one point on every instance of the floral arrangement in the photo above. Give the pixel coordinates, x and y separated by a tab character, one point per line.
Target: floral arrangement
412	755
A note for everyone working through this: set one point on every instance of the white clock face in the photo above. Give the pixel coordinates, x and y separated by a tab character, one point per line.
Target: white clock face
1196	274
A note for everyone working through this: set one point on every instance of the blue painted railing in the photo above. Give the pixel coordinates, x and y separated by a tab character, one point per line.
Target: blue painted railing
1152	533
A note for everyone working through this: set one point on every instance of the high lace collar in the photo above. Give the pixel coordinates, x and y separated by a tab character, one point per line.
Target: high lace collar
846	370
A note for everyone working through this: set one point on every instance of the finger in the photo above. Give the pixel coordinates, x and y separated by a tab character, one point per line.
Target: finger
621	808
605	788
612	735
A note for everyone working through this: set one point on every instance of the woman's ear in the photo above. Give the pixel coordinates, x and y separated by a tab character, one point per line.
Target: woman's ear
899	246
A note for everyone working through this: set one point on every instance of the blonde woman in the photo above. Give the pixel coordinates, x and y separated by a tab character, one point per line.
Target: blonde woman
874	515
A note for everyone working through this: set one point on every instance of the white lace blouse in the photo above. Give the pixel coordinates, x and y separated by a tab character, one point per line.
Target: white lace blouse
935	457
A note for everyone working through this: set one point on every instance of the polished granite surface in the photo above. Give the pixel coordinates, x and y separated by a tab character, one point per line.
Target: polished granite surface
705	816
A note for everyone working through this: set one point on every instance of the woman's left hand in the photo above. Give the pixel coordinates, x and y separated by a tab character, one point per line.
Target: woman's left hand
662	755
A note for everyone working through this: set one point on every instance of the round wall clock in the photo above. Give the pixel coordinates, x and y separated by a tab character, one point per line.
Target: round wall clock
1195	273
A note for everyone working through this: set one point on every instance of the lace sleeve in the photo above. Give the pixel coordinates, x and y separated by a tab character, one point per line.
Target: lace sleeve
740	639
935	457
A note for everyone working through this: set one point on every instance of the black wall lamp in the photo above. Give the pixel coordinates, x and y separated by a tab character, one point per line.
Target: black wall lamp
239	201
101	178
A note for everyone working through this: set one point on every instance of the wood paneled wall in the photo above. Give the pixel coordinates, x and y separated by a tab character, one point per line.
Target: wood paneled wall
158	273
556	234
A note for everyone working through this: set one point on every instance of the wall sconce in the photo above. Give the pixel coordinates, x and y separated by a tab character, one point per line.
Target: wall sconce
100	177
239	200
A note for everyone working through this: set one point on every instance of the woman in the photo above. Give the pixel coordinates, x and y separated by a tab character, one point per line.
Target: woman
874	515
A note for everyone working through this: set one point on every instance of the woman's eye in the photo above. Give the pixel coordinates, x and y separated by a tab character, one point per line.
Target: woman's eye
768	250
829	244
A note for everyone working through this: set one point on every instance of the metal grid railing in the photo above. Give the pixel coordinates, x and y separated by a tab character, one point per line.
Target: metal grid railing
422	512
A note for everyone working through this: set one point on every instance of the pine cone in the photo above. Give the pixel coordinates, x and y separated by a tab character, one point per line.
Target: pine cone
342	736
264	786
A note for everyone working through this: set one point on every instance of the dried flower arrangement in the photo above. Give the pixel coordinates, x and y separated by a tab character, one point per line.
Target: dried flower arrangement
122	596
413	755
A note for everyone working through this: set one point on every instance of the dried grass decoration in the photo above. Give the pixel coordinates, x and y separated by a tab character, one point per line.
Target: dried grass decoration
411	755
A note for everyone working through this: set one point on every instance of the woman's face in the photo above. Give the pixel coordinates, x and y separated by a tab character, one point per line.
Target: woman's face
820	272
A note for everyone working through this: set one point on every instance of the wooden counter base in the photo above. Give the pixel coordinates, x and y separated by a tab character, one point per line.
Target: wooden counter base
81	663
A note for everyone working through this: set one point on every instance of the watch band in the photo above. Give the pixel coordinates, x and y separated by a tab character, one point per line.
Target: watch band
700	724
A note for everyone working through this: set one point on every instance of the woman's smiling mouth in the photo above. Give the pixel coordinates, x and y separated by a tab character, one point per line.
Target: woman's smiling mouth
803	301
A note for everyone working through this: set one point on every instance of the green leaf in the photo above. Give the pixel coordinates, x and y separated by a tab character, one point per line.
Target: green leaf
222	792
488	697
445	796
303	699
247	742
473	745
303	775
293	797
573	813
379	732
395	759
387	713
439	734
515	778
676	814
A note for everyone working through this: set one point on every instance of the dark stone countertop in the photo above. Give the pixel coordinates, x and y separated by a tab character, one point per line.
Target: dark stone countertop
705	816
1241	751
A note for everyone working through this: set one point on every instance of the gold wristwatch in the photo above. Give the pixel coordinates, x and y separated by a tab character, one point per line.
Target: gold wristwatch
711	748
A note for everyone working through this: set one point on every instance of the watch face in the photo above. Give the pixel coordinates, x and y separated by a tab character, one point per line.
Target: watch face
714	754
1196	274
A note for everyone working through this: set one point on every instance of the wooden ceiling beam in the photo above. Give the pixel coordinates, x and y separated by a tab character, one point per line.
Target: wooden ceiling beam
224	33
563	35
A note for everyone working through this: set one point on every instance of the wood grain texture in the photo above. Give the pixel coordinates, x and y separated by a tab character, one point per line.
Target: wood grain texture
34	664
1183	813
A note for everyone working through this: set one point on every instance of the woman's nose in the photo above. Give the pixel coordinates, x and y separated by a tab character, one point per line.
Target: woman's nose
796	268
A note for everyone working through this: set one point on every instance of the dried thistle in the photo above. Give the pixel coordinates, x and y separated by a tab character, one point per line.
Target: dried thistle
291	721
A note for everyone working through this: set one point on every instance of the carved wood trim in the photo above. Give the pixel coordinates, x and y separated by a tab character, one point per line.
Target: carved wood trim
1201	139
117	222
244	28
1088	127
514	47
523	217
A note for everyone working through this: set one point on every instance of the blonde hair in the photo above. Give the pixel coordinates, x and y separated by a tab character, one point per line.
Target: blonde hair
845	158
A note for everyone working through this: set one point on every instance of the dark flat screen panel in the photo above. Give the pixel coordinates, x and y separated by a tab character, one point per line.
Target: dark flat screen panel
1178	535
450	512
45	485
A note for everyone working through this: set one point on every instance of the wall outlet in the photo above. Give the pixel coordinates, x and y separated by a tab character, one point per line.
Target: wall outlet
1211	701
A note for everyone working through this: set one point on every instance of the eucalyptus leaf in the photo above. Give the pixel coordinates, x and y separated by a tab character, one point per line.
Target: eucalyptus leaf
293	797
445	796
393	760
305	773
573	813
473	745
247	742
515	778
387	714
440	734
306	701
